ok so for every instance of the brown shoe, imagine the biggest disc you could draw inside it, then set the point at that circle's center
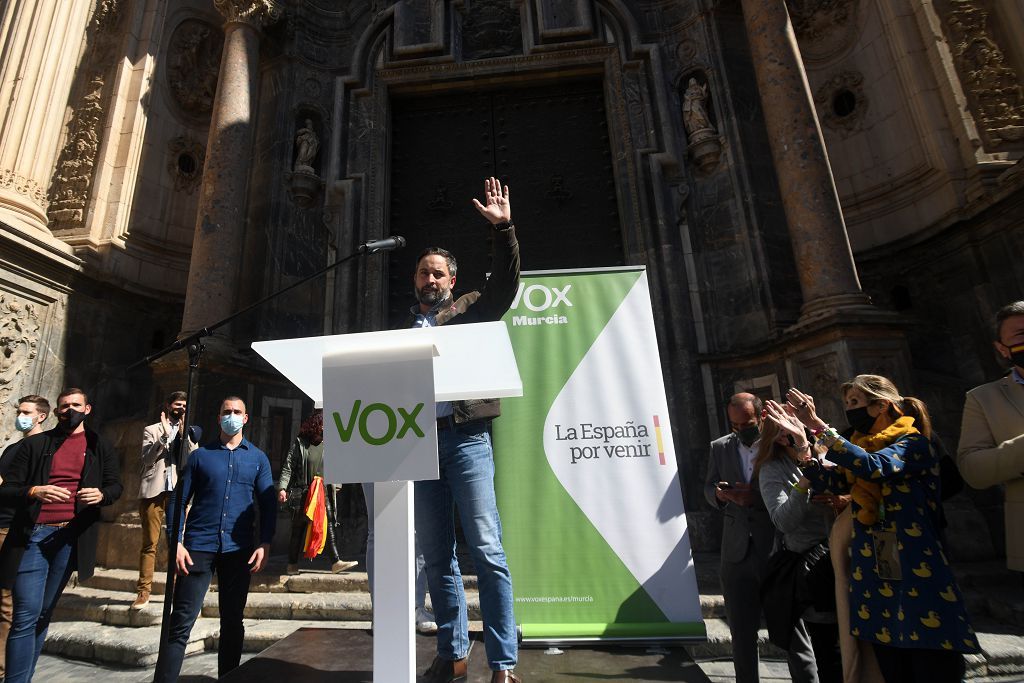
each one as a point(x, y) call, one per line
point(505, 677)
point(141, 601)
point(446, 670)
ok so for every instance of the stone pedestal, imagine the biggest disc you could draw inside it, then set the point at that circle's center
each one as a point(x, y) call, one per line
point(41, 43)
point(828, 276)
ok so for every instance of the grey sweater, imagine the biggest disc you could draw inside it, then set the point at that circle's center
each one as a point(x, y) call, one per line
point(802, 523)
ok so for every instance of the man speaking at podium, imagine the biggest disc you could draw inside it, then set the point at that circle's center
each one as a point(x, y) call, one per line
point(466, 463)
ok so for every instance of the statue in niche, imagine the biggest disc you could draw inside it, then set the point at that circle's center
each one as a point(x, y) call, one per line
point(695, 114)
point(705, 145)
point(307, 143)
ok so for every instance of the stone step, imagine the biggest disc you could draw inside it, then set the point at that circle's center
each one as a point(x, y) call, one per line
point(106, 596)
point(1002, 657)
point(307, 581)
point(111, 608)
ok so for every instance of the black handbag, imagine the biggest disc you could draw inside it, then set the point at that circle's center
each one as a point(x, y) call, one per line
point(793, 582)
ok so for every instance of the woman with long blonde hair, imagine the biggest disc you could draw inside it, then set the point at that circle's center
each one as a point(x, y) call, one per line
point(903, 598)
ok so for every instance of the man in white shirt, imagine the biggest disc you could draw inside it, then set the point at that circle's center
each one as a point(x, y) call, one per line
point(747, 532)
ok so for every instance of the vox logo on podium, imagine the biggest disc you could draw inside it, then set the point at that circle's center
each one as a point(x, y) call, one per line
point(378, 423)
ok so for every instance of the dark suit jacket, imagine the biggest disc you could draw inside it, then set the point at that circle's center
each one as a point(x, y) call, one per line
point(30, 467)
point(741, 525)
point(486, 306)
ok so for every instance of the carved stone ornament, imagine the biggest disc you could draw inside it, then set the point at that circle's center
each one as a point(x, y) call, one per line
point(193, 65)
point(705, 145)
point(186, 157)
point(72, 179)
point(993, 86)
point(824, 28)
point(491, 28)
point(306, 145)
point(256, 13)
point(19, 343)
point(69, 192)
point(842, 103)
point(9, 180)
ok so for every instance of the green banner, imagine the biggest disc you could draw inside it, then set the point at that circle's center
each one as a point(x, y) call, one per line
point(586, 476)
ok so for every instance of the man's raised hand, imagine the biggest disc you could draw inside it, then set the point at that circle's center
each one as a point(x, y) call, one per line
point(496, 207)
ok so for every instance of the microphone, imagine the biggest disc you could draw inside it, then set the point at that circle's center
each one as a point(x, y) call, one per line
point(373, 246)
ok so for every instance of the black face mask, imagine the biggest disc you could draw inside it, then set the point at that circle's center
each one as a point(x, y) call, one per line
point(70, 419)
point(748, 435)
point(859, 419)
point(1016, 354)
point(177, 413)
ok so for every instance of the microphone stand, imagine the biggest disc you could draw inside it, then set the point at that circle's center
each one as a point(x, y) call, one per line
point(193, 344)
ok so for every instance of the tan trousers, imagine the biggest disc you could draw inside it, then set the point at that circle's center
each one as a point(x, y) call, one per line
point(6, 614)
point(151, 515)
point(859, 663)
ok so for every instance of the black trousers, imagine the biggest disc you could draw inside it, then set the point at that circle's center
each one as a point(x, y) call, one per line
point(902, 665)
point(232, 592)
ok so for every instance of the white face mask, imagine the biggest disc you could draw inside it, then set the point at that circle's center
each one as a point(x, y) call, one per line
point(231, 424)
point(24, 422)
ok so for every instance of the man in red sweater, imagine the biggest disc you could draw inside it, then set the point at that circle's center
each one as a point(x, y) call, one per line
point(56, 483)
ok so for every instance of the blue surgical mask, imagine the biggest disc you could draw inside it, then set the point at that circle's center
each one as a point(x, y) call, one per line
point(24, 422)
point(231, 424)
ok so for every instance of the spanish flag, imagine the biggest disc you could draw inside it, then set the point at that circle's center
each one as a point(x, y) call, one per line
point(316, 512)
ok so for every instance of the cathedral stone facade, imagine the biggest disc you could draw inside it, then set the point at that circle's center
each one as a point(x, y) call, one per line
point(816, 187)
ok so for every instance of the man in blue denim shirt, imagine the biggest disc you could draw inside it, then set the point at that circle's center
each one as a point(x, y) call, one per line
point(224, 480)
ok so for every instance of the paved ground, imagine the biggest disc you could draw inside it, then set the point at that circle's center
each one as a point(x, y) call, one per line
point(203, 667)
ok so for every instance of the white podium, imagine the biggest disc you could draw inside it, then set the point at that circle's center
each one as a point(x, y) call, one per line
point(378, 391)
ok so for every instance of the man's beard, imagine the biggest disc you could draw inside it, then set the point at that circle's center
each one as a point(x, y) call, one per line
point(431, 297)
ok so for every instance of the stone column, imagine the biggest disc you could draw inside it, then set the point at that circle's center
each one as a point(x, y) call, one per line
point(40, 44)
point(220, 221)
point(825, 266)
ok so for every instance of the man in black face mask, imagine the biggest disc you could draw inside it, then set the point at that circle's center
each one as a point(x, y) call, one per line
point(991, 448)
point(56, 483)
point(747, 534)
point(159, 476)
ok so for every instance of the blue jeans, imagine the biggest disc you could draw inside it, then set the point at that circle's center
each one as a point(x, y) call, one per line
point(420, 586)
point(233, 577)
point(44, 571)
point(467, 483)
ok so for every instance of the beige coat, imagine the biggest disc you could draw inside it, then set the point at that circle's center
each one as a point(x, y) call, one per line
point(155, 459)
point(991, 452)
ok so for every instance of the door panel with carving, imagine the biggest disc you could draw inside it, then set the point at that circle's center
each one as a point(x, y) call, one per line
point(549, 144)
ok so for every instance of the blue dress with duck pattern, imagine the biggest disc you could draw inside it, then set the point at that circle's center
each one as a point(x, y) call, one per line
point(924, 608)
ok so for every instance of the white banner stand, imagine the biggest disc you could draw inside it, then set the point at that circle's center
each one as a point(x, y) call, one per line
point(379, 426)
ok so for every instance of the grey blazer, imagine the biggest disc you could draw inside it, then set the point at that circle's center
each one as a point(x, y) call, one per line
point(741, 524)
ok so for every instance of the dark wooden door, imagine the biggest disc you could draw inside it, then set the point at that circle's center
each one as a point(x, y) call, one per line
point(548, 144)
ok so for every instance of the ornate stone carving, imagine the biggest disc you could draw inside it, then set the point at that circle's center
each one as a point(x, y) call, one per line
point(306, 145)
point(814, 19)
point(185, 159)
point(23, 186)
point(193, 64)
point(993, 86)
point(69, 190)
point(842, 102)
point(705, 145)
point(491, 28)
point(19, 342)
point(255, 13)
point(824, 27)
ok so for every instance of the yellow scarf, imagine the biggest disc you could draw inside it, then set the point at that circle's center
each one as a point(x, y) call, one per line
point(868, 494)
